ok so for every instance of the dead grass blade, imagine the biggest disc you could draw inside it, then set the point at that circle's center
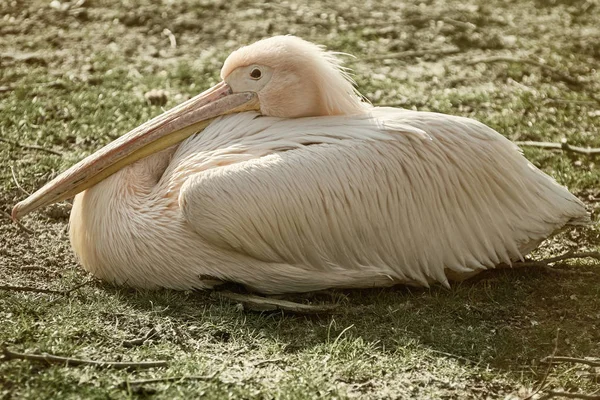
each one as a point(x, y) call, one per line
point(258, 303)
point(71, 362)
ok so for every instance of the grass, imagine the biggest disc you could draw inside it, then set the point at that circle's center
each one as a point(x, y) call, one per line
point(74, 79)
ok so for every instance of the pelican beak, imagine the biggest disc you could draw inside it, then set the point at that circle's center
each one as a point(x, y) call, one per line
point(161, 132)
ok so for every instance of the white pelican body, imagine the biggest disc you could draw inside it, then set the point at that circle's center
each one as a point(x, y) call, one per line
point(356, 196)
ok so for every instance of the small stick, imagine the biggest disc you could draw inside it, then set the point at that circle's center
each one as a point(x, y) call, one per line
point(552, 393)
point(14, 176)
point(558, 359)
point(141, 340)
point(269, 361)
point(19, 224)
point(414, 53)
point(568, 101)
point(35, 58)
point(553, 71)
point(553, 270)
point(563, 145)
point(31, 146)
point(258, 303)
point(67, 361)
point(465, 25)
point(569, 255)
point(28, 289)
point(171, 379)
point(171, 37)
point(74, 288)
point(547, 373)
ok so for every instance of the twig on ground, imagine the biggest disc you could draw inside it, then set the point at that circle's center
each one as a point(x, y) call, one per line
point(563, 145)
point(42, 290)
point(553, 393)
point(569, 255)
point(27, 58)
point(559, 359)
point(31, 147)
point(547, 372)
point(557, 271)
point(269, 361)
point(171, 37)
point(74, 288)
point(6, 89)
point(141, 340)
point(68, 361)
point(170, 379)
point(258, 303)
point(413, 54)
point(568, 101)
point(548, 69)
point(393, 104)
point(28, 289)
point(14, 176)
point(464, 25)
point(19, 224)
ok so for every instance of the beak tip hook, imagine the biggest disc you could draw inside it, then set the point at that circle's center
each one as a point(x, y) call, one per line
point(15, 213)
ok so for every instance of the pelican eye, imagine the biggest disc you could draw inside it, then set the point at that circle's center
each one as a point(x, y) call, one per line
point(256, 74)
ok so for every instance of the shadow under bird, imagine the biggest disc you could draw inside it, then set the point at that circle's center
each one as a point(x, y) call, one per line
point(282, 179)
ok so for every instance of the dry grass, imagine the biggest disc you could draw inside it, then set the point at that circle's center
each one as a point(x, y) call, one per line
point(73, 77)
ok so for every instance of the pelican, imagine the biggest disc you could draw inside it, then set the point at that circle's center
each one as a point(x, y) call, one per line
point(281, 178)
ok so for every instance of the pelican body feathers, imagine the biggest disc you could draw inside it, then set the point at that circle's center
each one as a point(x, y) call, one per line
point(290, 205)
point(283, 179)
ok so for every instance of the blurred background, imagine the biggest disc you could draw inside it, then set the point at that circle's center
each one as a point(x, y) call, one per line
point(76, 74)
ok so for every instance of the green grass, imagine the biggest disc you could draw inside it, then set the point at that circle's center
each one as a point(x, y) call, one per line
point(85, 86)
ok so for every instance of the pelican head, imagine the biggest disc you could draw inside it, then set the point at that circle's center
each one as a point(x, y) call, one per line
point(292, 78)
point(283, 76)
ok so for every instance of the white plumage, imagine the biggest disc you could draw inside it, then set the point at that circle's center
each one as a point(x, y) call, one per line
point(315, 190)
point(284, 205)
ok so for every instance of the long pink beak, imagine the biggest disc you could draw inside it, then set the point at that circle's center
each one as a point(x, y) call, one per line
point(161, 132)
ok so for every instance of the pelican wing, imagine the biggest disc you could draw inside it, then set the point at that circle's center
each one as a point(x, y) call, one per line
point(457, 198)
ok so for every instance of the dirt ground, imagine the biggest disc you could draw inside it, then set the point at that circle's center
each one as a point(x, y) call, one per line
point(73, 76)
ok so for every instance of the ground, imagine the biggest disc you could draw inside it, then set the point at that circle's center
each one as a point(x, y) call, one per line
point(73, 76)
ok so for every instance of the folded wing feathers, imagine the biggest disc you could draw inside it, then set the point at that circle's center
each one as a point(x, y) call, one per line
point(399, 193)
